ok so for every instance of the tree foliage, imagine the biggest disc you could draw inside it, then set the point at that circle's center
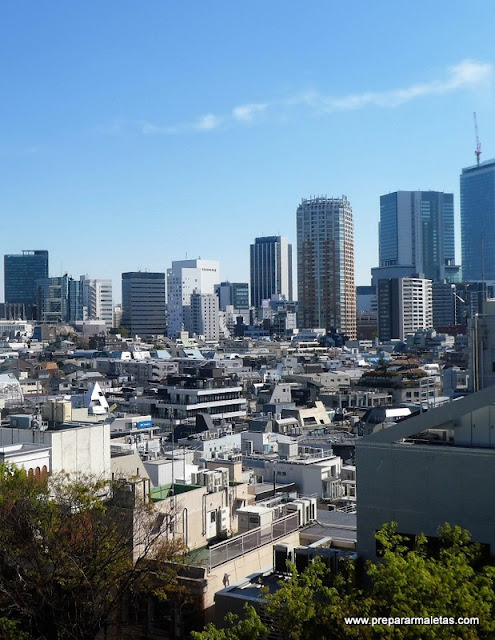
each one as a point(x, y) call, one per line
point(70, 554)
point(452, 581)
point(249, 627)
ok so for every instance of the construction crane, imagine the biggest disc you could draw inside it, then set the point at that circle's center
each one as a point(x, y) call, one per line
point(477, 153)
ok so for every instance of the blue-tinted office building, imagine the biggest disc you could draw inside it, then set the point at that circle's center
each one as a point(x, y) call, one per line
point(233, 293)
point(417, 234)
point(478, 222)
point(21, 271)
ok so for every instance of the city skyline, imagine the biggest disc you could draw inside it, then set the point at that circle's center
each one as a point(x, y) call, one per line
point(212, 121)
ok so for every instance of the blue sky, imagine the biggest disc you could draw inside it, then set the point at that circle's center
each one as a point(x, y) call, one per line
point(134, 134)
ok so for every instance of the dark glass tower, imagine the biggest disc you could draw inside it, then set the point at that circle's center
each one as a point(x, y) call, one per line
point(417, 233)
point(143, 303)
point(21, 272)
point(478, 222)
point(271, 269)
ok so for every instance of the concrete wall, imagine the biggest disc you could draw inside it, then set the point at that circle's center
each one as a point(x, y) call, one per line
point(421, 487)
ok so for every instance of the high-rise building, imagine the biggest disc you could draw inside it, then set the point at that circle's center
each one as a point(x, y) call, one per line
point(478, 222)
point(97, 300)
point(235, 294)
point(444, 304)
point(271, 269)
point(185, 277)
point(204, 315)
point(404, 306)
point(53, 299)
point(417, 236)
point(21, 272)
point(325, 265)
point(143, 303)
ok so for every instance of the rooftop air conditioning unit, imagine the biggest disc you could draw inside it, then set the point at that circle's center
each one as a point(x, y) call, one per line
point(296, 507)
point(223, 521)
point(282, 553)
point(304, 556)
point(304, 511)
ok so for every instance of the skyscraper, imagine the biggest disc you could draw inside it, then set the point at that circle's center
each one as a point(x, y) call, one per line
point(143, 303)
point(21, 273)
point(271, 269)
point(184, 278)
point(325, 265)
point(417, 235)
point(478, 222)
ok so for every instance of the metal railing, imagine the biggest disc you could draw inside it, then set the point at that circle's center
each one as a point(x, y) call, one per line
point(246, 542)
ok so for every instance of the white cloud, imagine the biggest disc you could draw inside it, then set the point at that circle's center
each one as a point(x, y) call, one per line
point(469, 72)
point(150, 129)
point(246, 112)
point(208, 122)
point(465, 75)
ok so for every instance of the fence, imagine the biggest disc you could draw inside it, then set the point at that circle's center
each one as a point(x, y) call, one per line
point(246, 542)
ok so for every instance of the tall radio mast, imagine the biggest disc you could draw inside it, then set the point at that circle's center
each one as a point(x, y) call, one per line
point(477, 153)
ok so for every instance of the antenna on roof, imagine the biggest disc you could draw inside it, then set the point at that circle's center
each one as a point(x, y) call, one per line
point(477, 153)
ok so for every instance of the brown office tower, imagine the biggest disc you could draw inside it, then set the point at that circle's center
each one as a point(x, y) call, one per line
point(325, 265)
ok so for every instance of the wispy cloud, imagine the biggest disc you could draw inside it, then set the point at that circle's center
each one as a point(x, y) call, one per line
point(208, 122)
point(247, 112)
point(465, 75)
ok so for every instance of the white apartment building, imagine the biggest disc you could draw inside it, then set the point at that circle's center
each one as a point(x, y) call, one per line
point(416, 303)
point(404, 306)
point(205, 315)
point(183, 279)
point(97, 300)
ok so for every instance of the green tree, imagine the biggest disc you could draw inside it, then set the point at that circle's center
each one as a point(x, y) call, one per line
point(10, 630)
point(453, 582)
point(71, 553)
point(249, 627)
point(123, 331)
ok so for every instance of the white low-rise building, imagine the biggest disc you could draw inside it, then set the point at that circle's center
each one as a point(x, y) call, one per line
point(77, 449)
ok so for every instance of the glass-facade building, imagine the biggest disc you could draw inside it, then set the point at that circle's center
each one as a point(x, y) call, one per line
point(478, 222)
point(143, 303)
point(270, 268)
point(21, 271)
point(53, 299)
point(417, 231)
point(233, 293)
